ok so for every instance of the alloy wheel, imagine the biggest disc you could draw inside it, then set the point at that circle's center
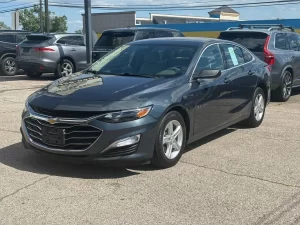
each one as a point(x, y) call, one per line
point(66, 69)
point(172, 139)
point(287, 85)
point(10, 67)
point(259, 107)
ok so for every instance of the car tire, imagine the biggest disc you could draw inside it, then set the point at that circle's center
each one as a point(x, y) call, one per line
point(9, 66)
point(33, 74)
point(283, 93)
point(258, 108)
point(165, 154)
point(64, 68)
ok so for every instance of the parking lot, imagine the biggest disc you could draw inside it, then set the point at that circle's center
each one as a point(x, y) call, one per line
point(237, 176)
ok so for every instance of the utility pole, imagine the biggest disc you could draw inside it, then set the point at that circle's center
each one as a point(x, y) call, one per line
point(88, 30)
point(41, 17)
point(47, 16)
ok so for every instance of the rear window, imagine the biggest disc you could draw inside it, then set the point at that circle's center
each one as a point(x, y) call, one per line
point(254, 41)
point(35, 39)
point(114, 39)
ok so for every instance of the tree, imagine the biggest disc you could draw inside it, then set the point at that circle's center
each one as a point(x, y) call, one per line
point(29, 19)
point(3, 26)
point(78, 31)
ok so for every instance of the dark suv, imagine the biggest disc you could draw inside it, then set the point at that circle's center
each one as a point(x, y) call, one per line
point(111, 39)
point(8, 41)
point(278, 46)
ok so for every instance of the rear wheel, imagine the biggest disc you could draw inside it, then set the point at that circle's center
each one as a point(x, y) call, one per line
point(170, 141)
point(64, 68)
point(33, 74)
point(257, 109)
point(283, 93)
point(9, 66)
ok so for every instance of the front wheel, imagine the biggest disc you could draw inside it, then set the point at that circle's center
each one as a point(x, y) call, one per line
point(9, 66)
point(257, 109)
point(170, 141)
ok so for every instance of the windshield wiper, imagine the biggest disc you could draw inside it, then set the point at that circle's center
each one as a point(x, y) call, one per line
point(138, 75)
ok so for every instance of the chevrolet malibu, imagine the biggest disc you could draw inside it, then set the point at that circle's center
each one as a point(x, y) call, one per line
point(145, 101)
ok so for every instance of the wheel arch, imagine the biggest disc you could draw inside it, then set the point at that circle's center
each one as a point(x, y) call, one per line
point(9, 54)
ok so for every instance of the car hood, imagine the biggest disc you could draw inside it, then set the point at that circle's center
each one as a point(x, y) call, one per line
point(89, 92)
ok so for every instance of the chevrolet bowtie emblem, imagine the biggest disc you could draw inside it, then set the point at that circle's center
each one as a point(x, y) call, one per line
point(52, 120)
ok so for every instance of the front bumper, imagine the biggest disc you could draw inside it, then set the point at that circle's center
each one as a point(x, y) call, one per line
point(143, 151)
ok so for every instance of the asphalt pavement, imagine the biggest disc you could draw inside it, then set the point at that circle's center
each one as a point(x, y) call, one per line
point(237, 176)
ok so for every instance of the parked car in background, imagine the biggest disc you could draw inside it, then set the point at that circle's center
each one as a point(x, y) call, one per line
point(61, 54)
point(8, 41)
point(111, 39)
point(123, 110)
point(278, 46)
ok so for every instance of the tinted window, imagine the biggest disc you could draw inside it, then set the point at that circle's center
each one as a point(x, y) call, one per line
point(114, 39)
point(233, 55)
point(77, 40)
point(254, 41)
point(141, 35)
point(293, 42)
point(20, 38)
point(281, 42)
point(146, 60)
point(10, 38)
point(161, 34)
point(35, 39)
point(210, 59)
point(247, 56)
point(177, 34)
point(65, 40)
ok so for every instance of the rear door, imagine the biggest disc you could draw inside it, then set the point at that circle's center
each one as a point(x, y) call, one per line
point(252, 40)
point(73, 46)
point(295, 54)
point(241, 78)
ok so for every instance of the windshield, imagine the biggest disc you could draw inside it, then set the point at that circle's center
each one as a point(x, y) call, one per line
point(151, 60)
point(254, 41)
point(114, 39)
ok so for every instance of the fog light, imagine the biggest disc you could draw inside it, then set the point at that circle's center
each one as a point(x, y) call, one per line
point(126, 142)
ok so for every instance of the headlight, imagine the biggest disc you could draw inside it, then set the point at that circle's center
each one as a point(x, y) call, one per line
point(25, 110)
point(126, 115)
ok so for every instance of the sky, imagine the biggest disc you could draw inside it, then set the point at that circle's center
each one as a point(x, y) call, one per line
point(287, 11)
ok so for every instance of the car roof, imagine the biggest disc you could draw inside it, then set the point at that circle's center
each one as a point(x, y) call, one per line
point(180, 40)
point(14, 31)
point(55, 34)
point(139, 28)
point(266, 31)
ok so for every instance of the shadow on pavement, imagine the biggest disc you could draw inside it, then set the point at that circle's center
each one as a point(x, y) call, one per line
point(44, 77)
point(296, 91)
point(16, 156)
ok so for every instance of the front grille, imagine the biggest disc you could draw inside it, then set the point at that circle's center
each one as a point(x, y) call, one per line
point(64, 113)
point(123, 151)
point(61, 136)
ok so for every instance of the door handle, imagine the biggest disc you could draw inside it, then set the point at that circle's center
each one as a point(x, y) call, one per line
point(73, 50)
point(227, 80)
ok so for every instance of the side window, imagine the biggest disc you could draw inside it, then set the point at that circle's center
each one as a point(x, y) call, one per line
point(293, 43)
point(161, 34)
point(78, 40)
point(247, 55)
point(177, 34)
point(233, 55)
point(9, 38)
point(281, 42)
point(145, 35)
point(210, 59)
point(20, 38)
point(65, 40)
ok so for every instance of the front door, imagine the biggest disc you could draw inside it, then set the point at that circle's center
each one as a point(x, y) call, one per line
point(211, 97)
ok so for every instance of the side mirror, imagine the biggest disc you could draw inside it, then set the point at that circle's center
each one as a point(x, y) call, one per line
point(207, 74)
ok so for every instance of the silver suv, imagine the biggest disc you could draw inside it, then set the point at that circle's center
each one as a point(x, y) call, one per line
point(61, 54)
point(278, 46)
